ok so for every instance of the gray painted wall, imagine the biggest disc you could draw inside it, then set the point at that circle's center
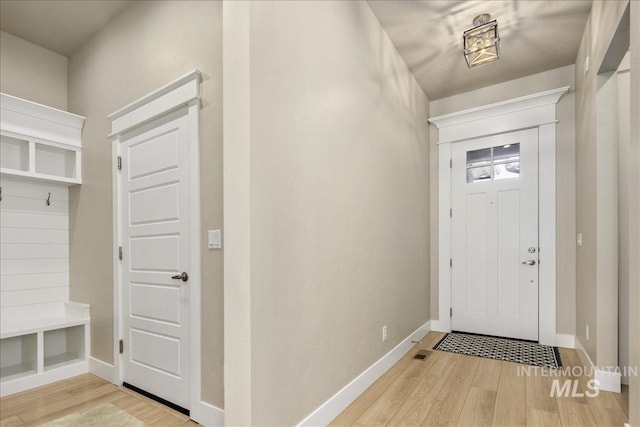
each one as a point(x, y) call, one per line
point(601, 317)
point(337, 203)
point(145, 47)
point(634, 215)
point(32, 72)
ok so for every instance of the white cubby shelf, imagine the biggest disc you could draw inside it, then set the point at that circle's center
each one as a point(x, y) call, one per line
point(44, 337)
point(41, 344)
point(39, 143)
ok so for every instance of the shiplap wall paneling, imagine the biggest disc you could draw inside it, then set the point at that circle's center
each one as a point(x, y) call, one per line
point(34, 243)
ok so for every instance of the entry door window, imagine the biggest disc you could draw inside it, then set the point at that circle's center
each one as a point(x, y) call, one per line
point(493, 163)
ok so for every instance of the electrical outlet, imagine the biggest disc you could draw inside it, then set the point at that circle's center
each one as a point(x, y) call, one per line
point(586, 331)
point(384, 333)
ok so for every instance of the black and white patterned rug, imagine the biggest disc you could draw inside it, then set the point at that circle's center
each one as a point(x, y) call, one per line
point(525, 352)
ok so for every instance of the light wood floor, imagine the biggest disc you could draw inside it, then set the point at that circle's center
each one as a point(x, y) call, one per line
point(56, 400)
point(453, 389)
point(443, 389)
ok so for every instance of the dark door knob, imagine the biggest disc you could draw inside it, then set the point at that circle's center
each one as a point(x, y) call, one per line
point(184, 276)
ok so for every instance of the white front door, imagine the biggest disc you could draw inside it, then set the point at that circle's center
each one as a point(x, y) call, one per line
point(154, 200)
point(494, 262)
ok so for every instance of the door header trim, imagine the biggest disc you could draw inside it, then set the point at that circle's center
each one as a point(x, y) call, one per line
point(510, 105)
point(175, 94)
point(519, 113)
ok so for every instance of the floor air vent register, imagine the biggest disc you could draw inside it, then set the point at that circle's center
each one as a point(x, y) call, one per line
point(422, 354)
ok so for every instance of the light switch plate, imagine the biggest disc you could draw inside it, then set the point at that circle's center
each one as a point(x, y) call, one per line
point(214, 239)
point(586, 65)
point(579, 239)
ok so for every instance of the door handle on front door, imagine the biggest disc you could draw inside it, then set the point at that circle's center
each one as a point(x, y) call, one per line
point(529, 262)
point(184, 277)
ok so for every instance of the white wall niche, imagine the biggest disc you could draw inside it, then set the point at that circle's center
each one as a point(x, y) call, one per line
point(14, 153)
point(63, 347)
point(18, 357)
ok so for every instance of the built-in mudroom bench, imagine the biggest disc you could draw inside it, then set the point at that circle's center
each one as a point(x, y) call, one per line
point(44, 337)
point(43, 343)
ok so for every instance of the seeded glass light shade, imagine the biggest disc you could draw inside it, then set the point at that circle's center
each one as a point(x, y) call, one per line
point(481, 43)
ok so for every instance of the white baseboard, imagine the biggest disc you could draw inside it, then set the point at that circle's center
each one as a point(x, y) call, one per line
point(606, 380)
point(582, 354)
point(205, 414)
point(339, 401)
point(435, 326)
point(208, 415)
point(565, 340)
point(102, 369)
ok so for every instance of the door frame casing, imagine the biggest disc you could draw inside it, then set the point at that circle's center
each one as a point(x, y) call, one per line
point(180, 93)
point(532, 111)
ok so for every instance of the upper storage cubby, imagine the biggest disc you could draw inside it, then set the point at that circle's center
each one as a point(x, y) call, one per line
point(39, 142)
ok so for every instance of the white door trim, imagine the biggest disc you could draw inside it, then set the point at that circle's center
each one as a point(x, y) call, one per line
point(184, 91)
point(532, 111)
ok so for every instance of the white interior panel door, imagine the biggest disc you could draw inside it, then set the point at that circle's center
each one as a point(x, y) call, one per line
point(495, 235)
point(154, 196)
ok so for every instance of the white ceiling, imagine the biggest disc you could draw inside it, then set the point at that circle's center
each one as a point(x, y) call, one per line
point(58, 25)
point(536, 36)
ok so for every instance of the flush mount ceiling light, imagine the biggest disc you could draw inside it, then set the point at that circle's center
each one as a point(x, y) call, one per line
point(481, 43)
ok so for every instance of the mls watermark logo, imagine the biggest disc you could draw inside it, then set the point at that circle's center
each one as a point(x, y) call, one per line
point(571, 388)
point(565, 382)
